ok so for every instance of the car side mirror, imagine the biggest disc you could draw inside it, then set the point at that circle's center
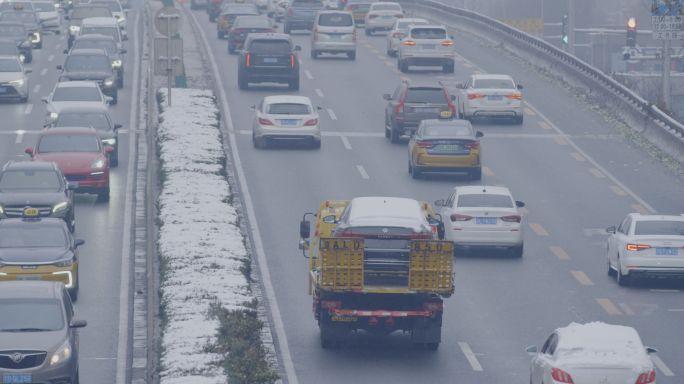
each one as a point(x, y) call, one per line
point(29, 151)
point(123, 51)
point(78, 324)
point(387, 96)
point(117, 126)
point(319, 108)
point(304, 229)
point(28, 70)
point(66, 51)
point(298, 48)
point(59, 67)
point(108, 149)
point(330, 219)
point(519, 86)
point(124, 36)
point(519, 204)
point(651, 350)
point(479, 134)
point(440, 203)
point(79, 242)
point(72, 185)
point(108, 99)
point(44, 99)
point(532, 350)
point(611, 229)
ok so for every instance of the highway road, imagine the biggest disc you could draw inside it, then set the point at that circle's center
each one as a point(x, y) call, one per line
point(576, 172)
point(101, 225)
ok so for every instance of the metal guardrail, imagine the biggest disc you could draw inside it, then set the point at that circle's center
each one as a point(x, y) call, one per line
point(625, 94)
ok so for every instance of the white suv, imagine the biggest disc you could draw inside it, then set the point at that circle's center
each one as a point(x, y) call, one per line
point(426, 45)
point(381, 16)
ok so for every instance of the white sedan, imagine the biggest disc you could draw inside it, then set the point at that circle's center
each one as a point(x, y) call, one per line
point(483, 216)
point(286, 118)
point(592, 353)
point(495, 96)
point(646, 245)
point(381, 16)
point(398, 32)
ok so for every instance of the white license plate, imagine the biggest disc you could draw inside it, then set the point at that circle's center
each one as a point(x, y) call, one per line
point(428, 46)
point(386, 17)
point(288, 122)
point(270, 60)
point(28, 278)
point(495, 98)
point(667, 251)
point(485, 220)
point(426, 110)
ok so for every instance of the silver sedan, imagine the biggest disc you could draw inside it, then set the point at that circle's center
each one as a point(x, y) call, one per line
point(286, 118)
point(13, 79)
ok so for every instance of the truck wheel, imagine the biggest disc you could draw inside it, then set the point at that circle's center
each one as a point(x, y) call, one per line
point(351, 55)
point(475, 174)
point(432, 346)
point(329, 335)
point(103, 195)
point(314, 54)
point(415, 173)
point(293, 85)
point(403, 66)
point(518, 120)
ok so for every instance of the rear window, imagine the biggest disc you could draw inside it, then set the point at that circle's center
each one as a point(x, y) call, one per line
point(493, 84)
point(82, 13)
point(428, 33)
point(336, 20)
point(426, 95)
point(289, 109)
point(484, 200)
point(107, 31)
point(272, 47)
point(252, 22)
point(659, 228)
point(359, 7)
point(446, 130)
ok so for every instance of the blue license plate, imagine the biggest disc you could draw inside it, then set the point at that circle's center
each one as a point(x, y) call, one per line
point(16, 378)
point(495, 98)
point(451, 149)
point(270, 60)
point(667, 251)
point(485, 220)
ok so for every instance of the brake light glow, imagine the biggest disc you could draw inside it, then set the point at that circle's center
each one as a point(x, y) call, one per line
point(311, 122)
point(472, 145)
point(514, 96)
point(637, 247)
point(561, 376)
point(290, 12)
point(263, 121)
point(434, 306)
point(447, 43)
point(248, 60)
point(400, 106)
point(330, 304)
point(425, 144)
point(511, 218)
point(459, 217)
point(473, 96)
point(646, 377)
point(292, 60)
point(408, 42)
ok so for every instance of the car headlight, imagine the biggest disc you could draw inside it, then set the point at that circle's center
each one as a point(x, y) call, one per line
point(60, 207)
point(2, 210)
point(54, 115)
point(74, 28)
point(111, 141)
point(98, 164)
point(17, 83)
point(22, 57)
point(35, 37)
point(108, 82)
point(62, 355)
point(65, 263)
point(116, 63)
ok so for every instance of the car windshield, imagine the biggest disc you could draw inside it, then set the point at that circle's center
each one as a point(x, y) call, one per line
point(107, 31)
point(272, 47)
point(484, 200)
point(87, 63)
point(425, 96)
point(12, 30)
point(97, 120)
point(76, 94)
point(386, 7)
point(335, 20)
point(446, 131)
point(659, 228)
point(22, 17)
point(10, 65)
point(108, 45)
point(31, 315)
point(44, 7)
point(68, 143)
point(33, 236)
point(360, 7)
point(43, 180)
point(428, 33)
point(82, 13)
point(289, 109)
point(493, 84)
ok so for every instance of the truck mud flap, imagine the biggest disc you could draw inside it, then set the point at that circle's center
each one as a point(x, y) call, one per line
point(426, 332)
point(332, 334)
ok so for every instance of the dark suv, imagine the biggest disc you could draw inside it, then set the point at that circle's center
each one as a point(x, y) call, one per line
point(36, 189)
point(269, 58)
point(91, 64)
point(410, 104)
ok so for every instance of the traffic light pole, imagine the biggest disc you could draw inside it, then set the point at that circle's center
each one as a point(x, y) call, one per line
point(667, 59)
point(571, 26)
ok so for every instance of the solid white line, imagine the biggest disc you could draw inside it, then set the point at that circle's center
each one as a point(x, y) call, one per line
point(676, 310)
point(332, 114)
point(278, 324)
point(661, 365)
point(51, 57)
point(28, 109)
point(346, 142)
point(319, 92)
point(122, 337)
point(308, 74)
point(20, 137)
point(362, 171)
point(470, 356)
point(665, 290)
point(43, 72)
point(36, 88)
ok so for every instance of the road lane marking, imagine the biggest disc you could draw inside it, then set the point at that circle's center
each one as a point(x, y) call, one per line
point(529, 112)
point(609, 307)
point(51, 57)
point(389, 64)
point(28, 109)
point(664, 290)
point(319, 92)
point(626, 309)
point(617, 190)
point(523, 210)
point(308, 74)
point(20, 136)
point(43, 72)
point(559, 252)
point(560, 141)
point(582, 278)
point(345, 142)
point(640, 209)
point(36, 88)
point(597, 173)
point(470, 356)
point(487, 171)
point(539, 229)
point(661, 366)
point(332, 114)
point(577, 156)
point(676, 310)
point(544, 125)
point(362, 171)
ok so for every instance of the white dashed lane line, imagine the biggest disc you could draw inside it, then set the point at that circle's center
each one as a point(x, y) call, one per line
point(332, 114)
point(472, 359)
point(20, 137)
point(319, 92)
point(308, 74)
point(346, 143)
point(661, 366)
point(51, 57)
point(36, 88)
point(43, 72)
point(28, 109)
point(362, 171)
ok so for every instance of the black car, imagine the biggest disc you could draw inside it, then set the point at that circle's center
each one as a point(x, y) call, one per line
point(80, 12)
point(38, 187)
point(412, 103)
point(17, 33)
point(91, 64)
point(9, 48)
point(31, 23)
point(269, 58)
point(94, 117)
point(111, 49)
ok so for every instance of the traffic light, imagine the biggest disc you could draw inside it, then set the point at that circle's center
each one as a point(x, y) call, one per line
point(565, 38)
point(631, 32)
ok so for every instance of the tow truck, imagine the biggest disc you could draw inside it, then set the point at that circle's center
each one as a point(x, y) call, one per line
point(380, 265)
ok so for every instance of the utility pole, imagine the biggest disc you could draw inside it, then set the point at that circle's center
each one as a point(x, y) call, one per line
point(667, 60)
point(571, 26)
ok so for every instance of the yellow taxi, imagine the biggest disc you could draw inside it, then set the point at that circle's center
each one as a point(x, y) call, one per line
point(445, 146)
point(34, 248)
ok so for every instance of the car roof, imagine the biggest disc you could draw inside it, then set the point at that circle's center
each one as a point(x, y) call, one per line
point(97, 21)
point(491, 76)
point(479, 189)
point(29, 165)
point(77, 84)
point(643, 217)
point(87, 51)
point(31, 290)
point(69, 131)
point(386, 211)
point(287, 99)
point(84, 109)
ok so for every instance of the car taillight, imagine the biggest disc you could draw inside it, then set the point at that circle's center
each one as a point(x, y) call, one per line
point(408, 42)
point(434, 306)
point(472, 145)
point(425, 144)
point(511, 218)
point(263, 121)
point(459, 217)
point(450, 104)
point(237, 30)
point(248, 60)
point(637, 247)
point(330, 304)
point(292, 60)
point(473, 96)
point(561, 376)
point(447, 43)
point(290, 12)
point(311, 122)
point(646, 377)
point(514, 96)
point(399, 108)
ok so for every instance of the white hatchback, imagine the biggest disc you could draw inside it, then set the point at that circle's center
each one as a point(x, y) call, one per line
point(381, 16)
point(286, 118)
point(646, 245)
point(483, 216)
point(592, 353)
point(496, 96)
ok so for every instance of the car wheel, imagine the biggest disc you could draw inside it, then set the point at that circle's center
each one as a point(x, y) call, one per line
point(516, 252)
point(610, 270)
point(314, 54)
point(394, 134)
point(518, 120)
point(73, 293)
point(114, 159)
point(351, 55)
point(415, 173)
point(316, 144)
point(231, 48)
point(24, 99)
point(76, 378)
point(219, 34)
point(103, 195)
point(286, 28)
point(115, 98)
point(293, 85)
point(403, 67)
point(28, 59)
point(622, 279)
point(243, 83)
point(120, 81)
point(475, 174)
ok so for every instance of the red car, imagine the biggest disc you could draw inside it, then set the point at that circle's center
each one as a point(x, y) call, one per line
point(80, 155)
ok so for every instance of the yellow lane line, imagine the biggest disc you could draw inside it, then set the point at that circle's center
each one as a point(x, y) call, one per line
point(560, 140)
point(597, 173)
point(640, 209)
point(559, 252)
point(609, 307)
point(577, 156)
point(582, 277)
point(538, 229)
point(523, 211)
point(544, 125)
point(626, 309)
point(487, 171)
point(617, 190)
point(530, 112)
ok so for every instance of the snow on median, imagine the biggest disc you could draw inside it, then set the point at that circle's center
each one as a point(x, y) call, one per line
point(200, 243)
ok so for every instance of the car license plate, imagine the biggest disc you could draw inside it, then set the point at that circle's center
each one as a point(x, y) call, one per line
point(288, 122)
point(345, 319)
point(28, 278)
point(31, 212)
point(388, 17)
point(452, 149)
point(495, 98)
point(429, 46)
point(16, 378)
point(667, 251)
point(270, 60)
point(485, 220)
point(445, 114)
point(426, 110)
